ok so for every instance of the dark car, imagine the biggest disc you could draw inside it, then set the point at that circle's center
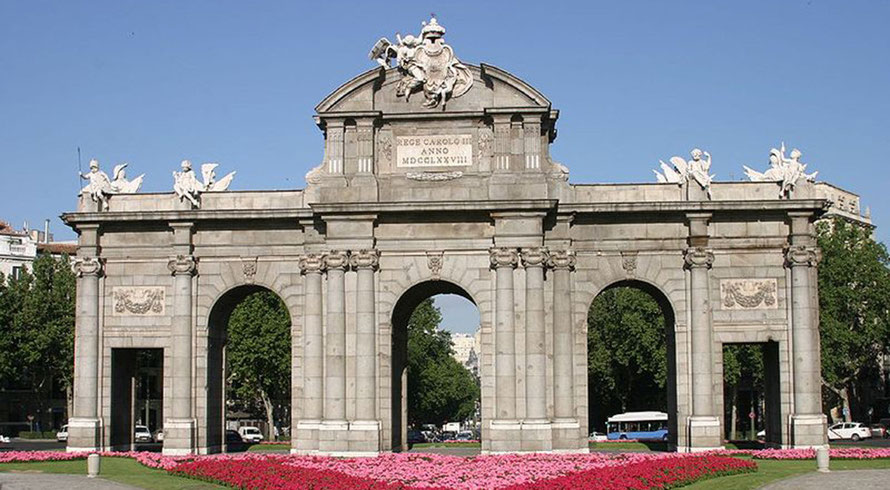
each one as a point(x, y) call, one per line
point(234, 443)
point(415, 437)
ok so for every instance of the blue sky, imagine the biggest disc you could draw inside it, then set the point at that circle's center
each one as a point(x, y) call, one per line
point(152, 83)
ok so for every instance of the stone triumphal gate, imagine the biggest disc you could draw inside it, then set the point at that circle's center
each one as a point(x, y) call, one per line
point(437, 178)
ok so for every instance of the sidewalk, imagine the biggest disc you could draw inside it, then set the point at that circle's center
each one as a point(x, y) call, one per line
point(46, 481)
point(858, 479)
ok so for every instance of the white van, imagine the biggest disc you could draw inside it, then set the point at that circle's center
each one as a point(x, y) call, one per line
point(250, 434)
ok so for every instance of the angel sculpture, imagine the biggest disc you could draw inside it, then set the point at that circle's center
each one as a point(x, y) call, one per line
point(783, 170)
point(99, 189)
point(187, 186)
point(682, 171)
point(120, 184)
point(426, 63)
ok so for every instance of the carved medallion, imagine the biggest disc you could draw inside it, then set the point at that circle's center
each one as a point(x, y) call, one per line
point(138, 301)
point(434, 262)
point(629, 262)
point(248, 267)
point(749, 294)
point(384, 146)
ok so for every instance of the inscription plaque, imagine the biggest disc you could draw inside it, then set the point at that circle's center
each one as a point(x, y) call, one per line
point(443, 150)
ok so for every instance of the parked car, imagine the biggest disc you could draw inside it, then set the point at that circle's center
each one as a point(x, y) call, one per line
point(142, 434)
point(878, 430)
point(250, 434)
point(465, 435)
point(415, 437)
point(4, 439)
point(62, 435)
point(159, 435)
point(234, 443)
point(848, 430)
point(597, 437)
point(761, 435)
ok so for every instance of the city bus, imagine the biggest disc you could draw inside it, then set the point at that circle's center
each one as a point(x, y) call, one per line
point(643, 426)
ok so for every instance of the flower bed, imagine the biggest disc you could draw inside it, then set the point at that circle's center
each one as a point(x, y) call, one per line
point(834, 453)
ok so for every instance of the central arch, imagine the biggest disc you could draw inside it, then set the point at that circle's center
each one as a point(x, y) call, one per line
point(401, 314)
point(668, 314)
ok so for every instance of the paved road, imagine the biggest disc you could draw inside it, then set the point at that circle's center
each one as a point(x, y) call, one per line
point(44, 481)
point(858, 479)
point(864, 442)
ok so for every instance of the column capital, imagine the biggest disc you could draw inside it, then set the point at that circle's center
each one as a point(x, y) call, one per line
point(535, 257)
point(364, 259)
point(504, 257)
point(183, 264)
point(89, 266)
point(698, 257)
point(802, 255)
point(561, 259)
point(312, 263)
point(336, 259)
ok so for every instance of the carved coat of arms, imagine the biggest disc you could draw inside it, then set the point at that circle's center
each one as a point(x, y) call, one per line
point(426, 64)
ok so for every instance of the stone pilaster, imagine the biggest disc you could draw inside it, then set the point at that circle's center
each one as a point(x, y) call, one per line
point(179, 428)
point(808, 423)
point(83, 426)
point(365, 264)
point(505, 426)
point(502, 142)
point(334, 147)
point(336, 263)
point(703, 425)
point(312, 267)
point(535, 352)
point(532, 133)
point(566, 427)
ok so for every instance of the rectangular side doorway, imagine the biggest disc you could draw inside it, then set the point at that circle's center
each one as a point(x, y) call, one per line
point(136, 399)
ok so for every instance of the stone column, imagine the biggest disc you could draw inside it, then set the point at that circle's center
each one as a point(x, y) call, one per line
point(312, 267)
point(808, 422)
point(504, 260)
point(704, 426)
point(179, 429)
point(365, 263)
point(336, 263)
point(562, 262)
point(83, 426)
point(535, 349)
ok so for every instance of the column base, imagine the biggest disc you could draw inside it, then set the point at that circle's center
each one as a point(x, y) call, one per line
point(703, 434)
point(537, 436)
point(359, 438)
point(84, 434)
point(809, 431)
point(179, 437)
point(567, 436)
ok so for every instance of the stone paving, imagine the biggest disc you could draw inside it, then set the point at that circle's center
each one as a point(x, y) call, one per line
point(45, 481)
point(858, 479)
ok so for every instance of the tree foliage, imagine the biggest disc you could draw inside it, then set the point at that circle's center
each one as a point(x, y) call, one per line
point(440, 389)
point(258, 356)
point(37, 327)
point(854, 300)
point(626, 354)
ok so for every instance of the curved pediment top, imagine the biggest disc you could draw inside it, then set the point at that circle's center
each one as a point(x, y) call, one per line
point(375, 91)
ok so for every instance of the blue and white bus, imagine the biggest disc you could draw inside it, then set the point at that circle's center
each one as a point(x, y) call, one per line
point(642, 426)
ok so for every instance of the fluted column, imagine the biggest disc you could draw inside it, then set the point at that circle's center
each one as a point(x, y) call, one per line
point(312, 267)
point(84, 423)
point(534, 260)
point(179, 427)
point(365, 263)
point(698, 261)
point(504, 260)
point(562, 262)
point(336, 263)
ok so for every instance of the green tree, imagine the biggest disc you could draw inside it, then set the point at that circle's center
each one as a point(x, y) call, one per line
point(854, 300)
point(741, 363)
point(258, 355)
point(37, 327)
point(626, 354)
point(440, 389)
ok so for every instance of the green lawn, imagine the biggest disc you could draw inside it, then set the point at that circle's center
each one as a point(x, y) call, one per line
point(771, 470)
point(269, 448)
point(121, 470)
point(442, 444)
